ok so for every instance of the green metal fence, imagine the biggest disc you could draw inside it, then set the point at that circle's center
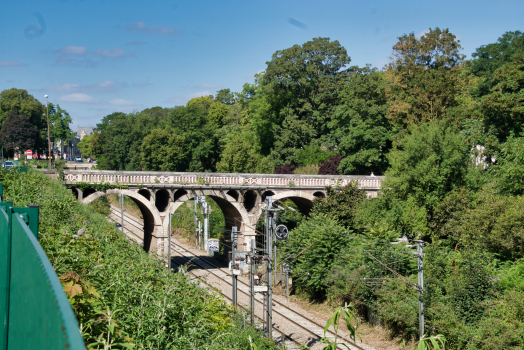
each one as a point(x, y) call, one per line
point(34, 308)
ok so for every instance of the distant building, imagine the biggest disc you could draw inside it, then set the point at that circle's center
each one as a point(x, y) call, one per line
point(84, 131)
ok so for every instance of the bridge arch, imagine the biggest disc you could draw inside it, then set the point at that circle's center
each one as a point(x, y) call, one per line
point(303, 200)
point(234, 212)
point(153, 226)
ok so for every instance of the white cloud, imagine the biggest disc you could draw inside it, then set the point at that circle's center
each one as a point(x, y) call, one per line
point(88, 99)
point(380, 63)
point(422, 33)
point(207, 86)
point(121, 102)
point(73, 50)
point(111, 53)
point(78, 98)
point(105, 86)
point(12, 64)
point(182, 99)
point(153, 30)
point(67, 56)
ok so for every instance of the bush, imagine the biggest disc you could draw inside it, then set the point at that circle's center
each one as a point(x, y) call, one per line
point(341, 203)
point(284, 169)
point(308, 170)
point(315, 244)
point(330, 167)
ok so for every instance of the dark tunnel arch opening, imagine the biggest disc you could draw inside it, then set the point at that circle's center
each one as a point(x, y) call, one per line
point(145, 193)
point(319, 194)
point(87, 192)
point(250, 200)
point(233, 194)
point(267, 194)
point(161, 200)
point(178, 194)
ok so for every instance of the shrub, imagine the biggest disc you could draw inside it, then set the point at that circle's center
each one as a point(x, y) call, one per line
point(308, 169)
point(315, 244)
point(330, 167)
point(284, 169)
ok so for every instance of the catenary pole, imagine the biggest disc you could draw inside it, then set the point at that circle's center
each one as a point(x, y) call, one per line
point(421, 288)
point(122, 210)
point(206, 224)
point(269, 239)
point(251, 282)
point(169, 243)
point(233, 264)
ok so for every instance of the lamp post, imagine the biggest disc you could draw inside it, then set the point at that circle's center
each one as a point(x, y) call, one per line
point(48, 138)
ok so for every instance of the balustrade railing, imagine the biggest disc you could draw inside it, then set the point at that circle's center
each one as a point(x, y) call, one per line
point(219, 179)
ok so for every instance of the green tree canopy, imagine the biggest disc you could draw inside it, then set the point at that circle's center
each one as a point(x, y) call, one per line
point(427, 163)
point(360, 126)
point(419, 72)
point(302, 85)
point(18, 133)
point(164, 150)
point(239, 156)
point(22, 103)
point(503, 107)
point(489, 58)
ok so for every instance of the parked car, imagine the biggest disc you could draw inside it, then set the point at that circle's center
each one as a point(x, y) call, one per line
point(79, 159)
point(8, 164)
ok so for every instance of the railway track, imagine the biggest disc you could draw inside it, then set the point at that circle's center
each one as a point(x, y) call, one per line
point(312, 328)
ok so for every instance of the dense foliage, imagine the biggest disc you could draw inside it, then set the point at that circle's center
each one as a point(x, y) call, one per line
point(122, 296)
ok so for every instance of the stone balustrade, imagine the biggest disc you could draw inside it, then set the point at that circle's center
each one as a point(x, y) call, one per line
point(178, 179)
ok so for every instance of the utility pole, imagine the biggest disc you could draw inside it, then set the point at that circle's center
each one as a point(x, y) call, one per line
point(169, 243)
point(122, 210)
point(251, 282)
point(420, 288)
point(269, 265)
point(206, 210)
point(234, 262)
point(48, 138)
point(196, 219)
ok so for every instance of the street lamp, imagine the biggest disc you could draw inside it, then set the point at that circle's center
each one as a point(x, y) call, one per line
point(48, 138)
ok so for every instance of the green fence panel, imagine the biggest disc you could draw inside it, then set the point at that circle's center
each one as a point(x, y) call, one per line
point(5, 259)
point(40, 316)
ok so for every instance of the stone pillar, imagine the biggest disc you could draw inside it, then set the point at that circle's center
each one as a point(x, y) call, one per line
point(80, 194)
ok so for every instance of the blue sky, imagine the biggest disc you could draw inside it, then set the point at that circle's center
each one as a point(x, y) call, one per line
point(95, 57)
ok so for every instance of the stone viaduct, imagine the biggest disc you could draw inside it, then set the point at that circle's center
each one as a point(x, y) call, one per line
point(239, 196)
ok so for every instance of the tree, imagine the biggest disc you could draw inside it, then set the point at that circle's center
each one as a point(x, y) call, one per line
point(426, 164)
point(509, 170)
point(421, 77)
point(225, 96)
point(18, 133)
point(86, 145)
point(22, 103)
point(239, 156)
point(314, 246)
point(200, 135)
point(164, 150)
point(218, 113)
point(341, 203)
point(489, 58)
point(503, 107)
point(361, 128)
point(59, 121)
point(302, 85)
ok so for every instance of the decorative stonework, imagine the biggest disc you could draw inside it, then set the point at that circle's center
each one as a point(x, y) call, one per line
point(179, 180)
